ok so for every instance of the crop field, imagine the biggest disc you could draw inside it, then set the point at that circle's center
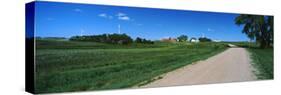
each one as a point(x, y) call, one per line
point(80, 66)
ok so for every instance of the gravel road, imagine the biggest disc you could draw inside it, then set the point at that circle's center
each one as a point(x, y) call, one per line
point(232, 65)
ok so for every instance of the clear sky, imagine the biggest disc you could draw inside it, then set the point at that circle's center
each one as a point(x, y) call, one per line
point(69, 19)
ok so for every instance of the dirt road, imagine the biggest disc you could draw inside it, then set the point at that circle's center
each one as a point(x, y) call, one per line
point(232, 65)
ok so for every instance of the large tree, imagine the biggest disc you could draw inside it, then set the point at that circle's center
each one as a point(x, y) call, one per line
point(257, 27)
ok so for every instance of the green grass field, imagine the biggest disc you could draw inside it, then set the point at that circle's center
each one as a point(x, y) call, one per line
point(79, 66)
point(263, 62)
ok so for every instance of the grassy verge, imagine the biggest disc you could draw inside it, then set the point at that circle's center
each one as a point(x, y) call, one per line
point(77, 68)
point(263, 62)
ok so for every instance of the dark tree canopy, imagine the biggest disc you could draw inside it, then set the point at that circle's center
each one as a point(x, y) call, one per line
point(257, 27)
point(138, 40)
point(144, 41)
point(182, 38)
point(105, 38)
point(204, 39)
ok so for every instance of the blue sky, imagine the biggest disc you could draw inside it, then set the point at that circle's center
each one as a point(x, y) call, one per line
point(69, 19)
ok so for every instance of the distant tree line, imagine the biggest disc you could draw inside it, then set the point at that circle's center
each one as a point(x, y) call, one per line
point(111, 38)
point(144, 41)
point(125, 39)
point(105, 38)
point(184, 38)
point(204, 39)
